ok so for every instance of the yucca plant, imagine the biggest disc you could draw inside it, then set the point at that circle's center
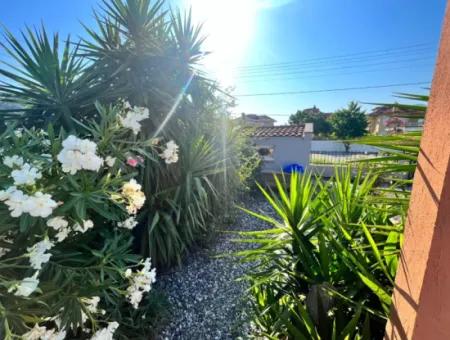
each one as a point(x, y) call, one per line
point(325, 269)
point(47, 83)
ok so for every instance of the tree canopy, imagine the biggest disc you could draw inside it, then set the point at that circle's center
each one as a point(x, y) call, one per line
point(349, 122)
point(321, 124)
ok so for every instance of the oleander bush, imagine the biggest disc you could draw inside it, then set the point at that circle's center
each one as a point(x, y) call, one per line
point(116, 150)
point(326, 267)
point(68, 208)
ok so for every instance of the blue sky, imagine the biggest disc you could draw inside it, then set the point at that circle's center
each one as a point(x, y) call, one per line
point(383, 41)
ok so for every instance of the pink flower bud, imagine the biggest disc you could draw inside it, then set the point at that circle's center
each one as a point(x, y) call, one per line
point(132, 162)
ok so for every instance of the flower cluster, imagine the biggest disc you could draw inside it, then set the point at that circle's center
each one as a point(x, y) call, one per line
point(37, 205)
point(133, 194)
point(133, 117)
point(85, 226)
point(141, 282)
point(42, 333)
point(38, 255)
point(27, 286)
point(12, 161)
point(110, 161)
point(106, 333)
point(78, 154)
point(61, 225)
point(129, 223)
point(26, 175)
point(170, 153)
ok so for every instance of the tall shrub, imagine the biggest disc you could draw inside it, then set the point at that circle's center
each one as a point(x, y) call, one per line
point(145, 55)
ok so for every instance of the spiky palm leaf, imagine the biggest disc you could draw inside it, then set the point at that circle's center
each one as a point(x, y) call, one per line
point(46, 84)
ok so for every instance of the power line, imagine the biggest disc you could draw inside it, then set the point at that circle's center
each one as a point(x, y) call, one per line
point(339, 61)
point(331, 90)
point(342, 67)
point(338, 56)
point(328, 74)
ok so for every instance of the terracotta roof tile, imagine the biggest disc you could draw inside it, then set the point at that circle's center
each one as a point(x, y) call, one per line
point(278, 131)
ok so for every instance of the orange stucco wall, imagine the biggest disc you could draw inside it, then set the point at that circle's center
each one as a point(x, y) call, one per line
point(421, 308)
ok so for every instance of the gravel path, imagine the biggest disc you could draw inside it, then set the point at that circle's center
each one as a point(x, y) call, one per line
point(206, 300)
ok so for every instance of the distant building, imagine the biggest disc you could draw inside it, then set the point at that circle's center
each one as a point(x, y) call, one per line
point(385, 120)
point(282, 146)
point(255, 120)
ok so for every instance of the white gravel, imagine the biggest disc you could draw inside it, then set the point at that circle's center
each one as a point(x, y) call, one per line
point(206, 300)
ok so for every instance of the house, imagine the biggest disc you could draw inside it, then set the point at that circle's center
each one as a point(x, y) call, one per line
point(283, 146)
point(384, 120)
point(255, 120)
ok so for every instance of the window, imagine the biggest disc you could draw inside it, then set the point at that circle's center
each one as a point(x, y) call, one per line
point(266, 152)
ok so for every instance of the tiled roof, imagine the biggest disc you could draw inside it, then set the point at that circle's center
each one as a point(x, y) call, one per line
point(255, 116)
point(390, 111)
point(278, 131)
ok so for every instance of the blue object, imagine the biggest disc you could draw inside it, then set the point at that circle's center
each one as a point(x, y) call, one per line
point(290, 168)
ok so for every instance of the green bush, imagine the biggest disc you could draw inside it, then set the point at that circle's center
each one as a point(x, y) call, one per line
point(147, 56)
point(326, 268)
point(131, 97)
point(68, 207)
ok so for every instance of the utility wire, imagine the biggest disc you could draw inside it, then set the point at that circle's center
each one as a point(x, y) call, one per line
point(339, 61)
point(337, 56)
point(331, 90)
point(342, 67)
point(328, 74)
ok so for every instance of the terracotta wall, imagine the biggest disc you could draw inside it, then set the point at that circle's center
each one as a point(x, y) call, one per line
point(421, 308)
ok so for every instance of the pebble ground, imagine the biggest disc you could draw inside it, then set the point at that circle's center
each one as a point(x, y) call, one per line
point(207, 301)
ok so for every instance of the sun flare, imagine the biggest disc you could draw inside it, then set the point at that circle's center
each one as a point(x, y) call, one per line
point(229, 26)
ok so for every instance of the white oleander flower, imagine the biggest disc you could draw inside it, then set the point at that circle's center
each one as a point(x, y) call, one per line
point(62, 234)
point(57, 223)
point(129, 223)
point(26, 175)
point(136, 198)
point(36, 333)
point(78, 154)
point(40, 205)
point(61, 225)
point(170, 153)
point(396, 220)
point(37, 253)
point(134, 296)
point(106, 333)
point(141, 282)
point(18, 132)
point(87, 224)
point(28, 285)
point(5, 194)
point(110, 161)
point(92, 304)
point(12, 161)
point(53, 334)
point(133, 118)
point(16, 201)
